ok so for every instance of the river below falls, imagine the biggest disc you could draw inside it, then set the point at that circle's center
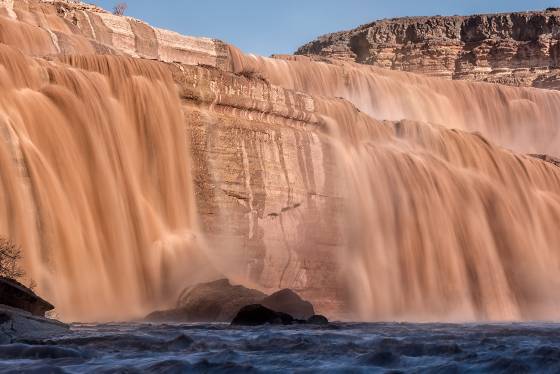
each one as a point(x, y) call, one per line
point(340, 347)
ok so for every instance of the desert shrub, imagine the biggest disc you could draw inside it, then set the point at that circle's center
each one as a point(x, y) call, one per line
point(10, 259)
point(119, 9)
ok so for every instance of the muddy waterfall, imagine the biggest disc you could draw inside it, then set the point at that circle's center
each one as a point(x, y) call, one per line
point(135, 161)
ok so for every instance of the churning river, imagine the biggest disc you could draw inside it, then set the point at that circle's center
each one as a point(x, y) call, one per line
point(339, 347)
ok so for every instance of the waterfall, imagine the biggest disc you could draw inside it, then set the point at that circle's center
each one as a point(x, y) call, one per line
point(444, 221)
point(445, 214)
point(96, 184)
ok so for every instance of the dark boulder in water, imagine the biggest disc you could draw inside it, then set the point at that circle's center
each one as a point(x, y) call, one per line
point(257, 314)
point(217, 301)
point(289, 302)
point(16, 295)
point(220, 301)
point(317, 319)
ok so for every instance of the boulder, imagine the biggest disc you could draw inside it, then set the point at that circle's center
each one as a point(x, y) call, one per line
point(17, 325)
point(289, 302)
point(257, 314)
point(317, 319)
point(16, 295)
point(217, 301)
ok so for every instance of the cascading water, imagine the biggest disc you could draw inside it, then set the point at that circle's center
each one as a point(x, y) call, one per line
point(96, 182)
point(443, 225)
point(523, 119)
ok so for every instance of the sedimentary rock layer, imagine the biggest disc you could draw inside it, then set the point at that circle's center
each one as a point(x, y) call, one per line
point(519, 49)
point(63, 27)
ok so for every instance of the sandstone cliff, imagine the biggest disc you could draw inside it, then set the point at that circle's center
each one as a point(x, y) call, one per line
point(519, 49)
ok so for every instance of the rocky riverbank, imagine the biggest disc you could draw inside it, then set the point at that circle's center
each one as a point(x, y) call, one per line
point(22, 314)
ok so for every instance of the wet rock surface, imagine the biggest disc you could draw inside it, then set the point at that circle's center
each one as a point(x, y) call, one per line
point(289, 302)
point(256, 314)
point(317, 320)
point(220, 301)
point(18, 325)
point(217, 301)
point(519, 49)
point(16, 295)
point(22, 314)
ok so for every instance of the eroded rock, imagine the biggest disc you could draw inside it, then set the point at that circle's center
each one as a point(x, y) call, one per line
point(289, 302)
point(257, 314)
point(217, 301)
point(519, 49)
point(317, 319)
point(220, 301)
point(17, 325)
point(16, 295)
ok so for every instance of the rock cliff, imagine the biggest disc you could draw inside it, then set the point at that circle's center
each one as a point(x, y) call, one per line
point(519, 49)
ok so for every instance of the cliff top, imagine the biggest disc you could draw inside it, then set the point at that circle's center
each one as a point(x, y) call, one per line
point(526, 25)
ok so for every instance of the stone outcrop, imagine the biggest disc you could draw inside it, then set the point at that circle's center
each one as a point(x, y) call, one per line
point(220, 301)
point(16, 295)
point(19, 325)
point(262, 163)
point(22, 314)
point(65, 27)
point(255, 315)
point(289, 302)
point(217, 301)
point(258, 314)
point(519, 49)
point(317, 319)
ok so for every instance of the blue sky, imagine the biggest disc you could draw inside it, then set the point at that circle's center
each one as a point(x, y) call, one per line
point(280, 26)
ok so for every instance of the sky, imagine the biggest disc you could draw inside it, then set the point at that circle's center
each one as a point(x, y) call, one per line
point(265, 27)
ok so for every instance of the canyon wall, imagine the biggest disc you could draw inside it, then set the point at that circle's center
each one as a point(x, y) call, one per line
point(375, 194)
point(519, 49)
point(262, 170)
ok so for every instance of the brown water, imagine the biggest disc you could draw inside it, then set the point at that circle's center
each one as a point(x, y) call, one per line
point(442, 224)
point(523, 119)
point(96, 183)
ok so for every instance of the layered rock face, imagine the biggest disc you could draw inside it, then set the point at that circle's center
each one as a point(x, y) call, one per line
point(519, 49)
point(55, 27)
point(265, 177)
